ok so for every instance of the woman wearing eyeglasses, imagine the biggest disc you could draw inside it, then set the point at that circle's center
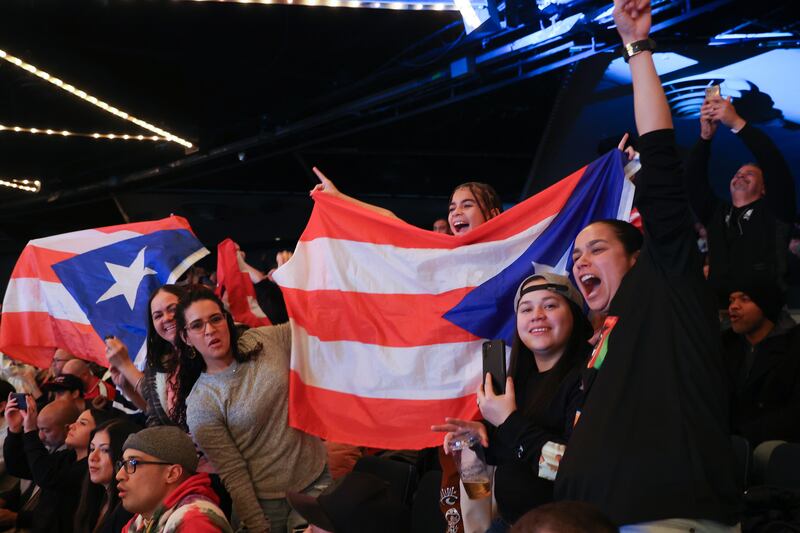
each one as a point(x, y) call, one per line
point(238, 412)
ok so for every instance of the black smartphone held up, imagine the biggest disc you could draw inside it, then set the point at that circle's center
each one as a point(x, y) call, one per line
point(494, 362)
point(22, 402)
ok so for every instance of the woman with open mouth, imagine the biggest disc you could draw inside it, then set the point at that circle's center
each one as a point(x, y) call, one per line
point(651, 447)
point(238, 409)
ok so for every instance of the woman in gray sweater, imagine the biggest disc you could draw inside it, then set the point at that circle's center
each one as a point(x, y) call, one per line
point(237, 413)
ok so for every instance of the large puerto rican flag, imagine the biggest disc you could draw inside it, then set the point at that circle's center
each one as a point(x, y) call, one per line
point(71, 290)
point(388, 319)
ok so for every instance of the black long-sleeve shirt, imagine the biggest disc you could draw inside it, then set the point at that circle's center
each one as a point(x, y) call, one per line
point(747, 243)
point(59, 477)
point(516, 444)
point(653, 440)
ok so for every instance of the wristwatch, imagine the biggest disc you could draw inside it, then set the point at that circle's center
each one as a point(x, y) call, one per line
point(631, 49)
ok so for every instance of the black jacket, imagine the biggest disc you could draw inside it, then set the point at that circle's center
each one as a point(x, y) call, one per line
point(58, 475)
point(515, 445)
point(748, 243)
point(765, 385)
point(652, 441)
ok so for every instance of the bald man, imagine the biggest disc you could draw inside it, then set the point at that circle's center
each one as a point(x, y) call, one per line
point(92, 385)
point(53, 422)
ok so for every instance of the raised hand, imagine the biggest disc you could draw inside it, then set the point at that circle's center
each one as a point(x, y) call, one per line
point(326, 185)
point(632, 18)
point(13, 415)
point(495, 408)
point(722, 109)
point(116, 352)
point(30, 416)
point(629, 152)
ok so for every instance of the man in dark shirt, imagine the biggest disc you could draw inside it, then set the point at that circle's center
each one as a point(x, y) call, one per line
point(748, 237)
point(762, 356)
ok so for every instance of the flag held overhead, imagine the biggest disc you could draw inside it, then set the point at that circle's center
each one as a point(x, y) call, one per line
point(71, 290)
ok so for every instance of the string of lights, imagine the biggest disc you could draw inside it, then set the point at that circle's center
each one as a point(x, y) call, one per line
point(380, 4)
point(83, 95)
point(22, 184)
point(67, 133)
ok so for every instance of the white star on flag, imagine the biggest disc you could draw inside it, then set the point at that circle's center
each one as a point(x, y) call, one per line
point(127, 279)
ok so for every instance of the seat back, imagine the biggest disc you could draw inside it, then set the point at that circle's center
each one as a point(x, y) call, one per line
point(401, 476)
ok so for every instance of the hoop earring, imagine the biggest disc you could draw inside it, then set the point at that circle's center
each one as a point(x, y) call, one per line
point(193, 353)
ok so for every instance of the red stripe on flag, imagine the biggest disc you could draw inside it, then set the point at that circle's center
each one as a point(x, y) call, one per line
point(346, 220)
point(377, 318)
point(32, 338)
point(350, 419)
point(34, 262)
point(150, 226)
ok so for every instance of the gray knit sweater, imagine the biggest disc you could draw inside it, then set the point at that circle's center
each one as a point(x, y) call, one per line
point(239, 418)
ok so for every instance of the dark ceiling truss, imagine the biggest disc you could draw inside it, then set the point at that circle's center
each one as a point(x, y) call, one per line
point(475, 66)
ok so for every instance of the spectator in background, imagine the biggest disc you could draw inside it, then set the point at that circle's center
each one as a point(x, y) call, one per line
point(60, 358)
point(762, 355)
point(93, 386)
point(35, 508)
point(440, 225)
point(7, 481)
point(747, 237)
point(58, 474)
point(100, 510)
point(67, 387)
point(158, 482)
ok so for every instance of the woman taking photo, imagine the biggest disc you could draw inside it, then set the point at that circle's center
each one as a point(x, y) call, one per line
point(651, 448)
point(550, 350)
point(99, 510)
point(238, 413)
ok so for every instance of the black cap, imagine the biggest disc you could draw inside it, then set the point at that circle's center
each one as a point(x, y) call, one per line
point(357, 503)
point(64, 382)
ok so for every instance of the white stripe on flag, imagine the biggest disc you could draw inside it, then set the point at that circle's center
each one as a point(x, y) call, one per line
point(435, 372)
point(79, 242)
point(33, 295)
point(362, 266)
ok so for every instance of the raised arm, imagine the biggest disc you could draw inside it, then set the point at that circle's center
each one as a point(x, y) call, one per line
point(661, 196)
point(328, 187)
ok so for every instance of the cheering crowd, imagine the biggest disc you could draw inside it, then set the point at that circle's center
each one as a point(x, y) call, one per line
point(644, 396)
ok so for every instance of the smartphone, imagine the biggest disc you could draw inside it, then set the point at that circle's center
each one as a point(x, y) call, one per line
point(22, 402)
point(494, 362)
point(713, 91)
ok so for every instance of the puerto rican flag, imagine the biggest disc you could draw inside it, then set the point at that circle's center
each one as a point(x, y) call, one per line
point(388, 319)
point(71, 290)
point(235, 284)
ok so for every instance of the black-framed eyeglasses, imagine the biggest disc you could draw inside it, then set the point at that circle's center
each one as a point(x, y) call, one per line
point(196, 326)
point(131, 464)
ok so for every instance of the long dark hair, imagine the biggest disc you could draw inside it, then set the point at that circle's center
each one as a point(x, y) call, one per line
point(94, 497)
point(630, 237)
point(523, 364)
point(158, 349)
point(485, 195)
point(191, 362)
